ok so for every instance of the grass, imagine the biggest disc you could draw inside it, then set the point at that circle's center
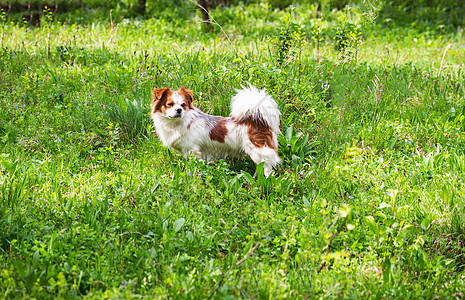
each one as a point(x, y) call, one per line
point(369, 200)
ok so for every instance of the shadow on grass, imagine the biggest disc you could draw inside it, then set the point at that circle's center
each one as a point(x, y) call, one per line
point(439, 16)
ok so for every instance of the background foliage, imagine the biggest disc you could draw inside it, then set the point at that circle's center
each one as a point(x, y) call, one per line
point(369, 199)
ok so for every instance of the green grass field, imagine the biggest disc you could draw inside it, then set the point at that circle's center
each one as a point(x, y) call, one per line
point(369, 201)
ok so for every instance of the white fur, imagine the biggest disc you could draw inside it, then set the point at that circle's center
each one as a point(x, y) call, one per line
point(189, 132)
point(250, 101)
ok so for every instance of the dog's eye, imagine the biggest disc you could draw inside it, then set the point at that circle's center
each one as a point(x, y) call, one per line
point(170, 104)
point(183, 105)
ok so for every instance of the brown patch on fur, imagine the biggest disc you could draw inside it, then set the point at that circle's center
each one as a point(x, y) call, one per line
point(220, 131)
point(259, 132)
point(188, 97)
point(192, 121)
point(160, 97)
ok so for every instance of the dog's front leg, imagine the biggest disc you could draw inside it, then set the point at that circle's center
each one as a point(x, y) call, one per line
point(171, 140)
point(187, 153)
point(198, 153)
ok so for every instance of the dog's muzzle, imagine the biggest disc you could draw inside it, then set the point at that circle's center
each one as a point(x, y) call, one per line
point(178, 113)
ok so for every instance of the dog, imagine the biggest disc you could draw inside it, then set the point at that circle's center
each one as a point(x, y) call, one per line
point(251, 129)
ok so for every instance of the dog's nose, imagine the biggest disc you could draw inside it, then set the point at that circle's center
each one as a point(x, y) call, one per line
point(179, 110)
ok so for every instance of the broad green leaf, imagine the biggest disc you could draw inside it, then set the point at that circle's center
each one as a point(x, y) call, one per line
point(384, 205)
point(372, 224)
point(402, 208)
point(35, 258)
point(306, 203)
point(289, 133)
point(189, 236)
point(178, 224)
point(248, 177)
point(344, 211)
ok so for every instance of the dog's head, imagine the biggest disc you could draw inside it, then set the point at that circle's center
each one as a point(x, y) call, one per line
point(171, 104)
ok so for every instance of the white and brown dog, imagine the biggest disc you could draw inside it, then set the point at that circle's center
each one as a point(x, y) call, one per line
point(251, 129)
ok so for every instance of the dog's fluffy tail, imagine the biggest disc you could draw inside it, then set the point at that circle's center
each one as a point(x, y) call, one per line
point(250, 102)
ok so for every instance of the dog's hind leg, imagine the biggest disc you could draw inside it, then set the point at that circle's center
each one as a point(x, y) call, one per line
point(269, 157)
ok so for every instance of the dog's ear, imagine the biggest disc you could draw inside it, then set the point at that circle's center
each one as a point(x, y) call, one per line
point(157, 94)
point(159, 97)
point(188, 95)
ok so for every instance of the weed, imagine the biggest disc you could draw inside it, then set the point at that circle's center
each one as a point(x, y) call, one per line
point(289, 40)
point(130, 118)
point(316, 35)
point(295, 147)
point(347, 39)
